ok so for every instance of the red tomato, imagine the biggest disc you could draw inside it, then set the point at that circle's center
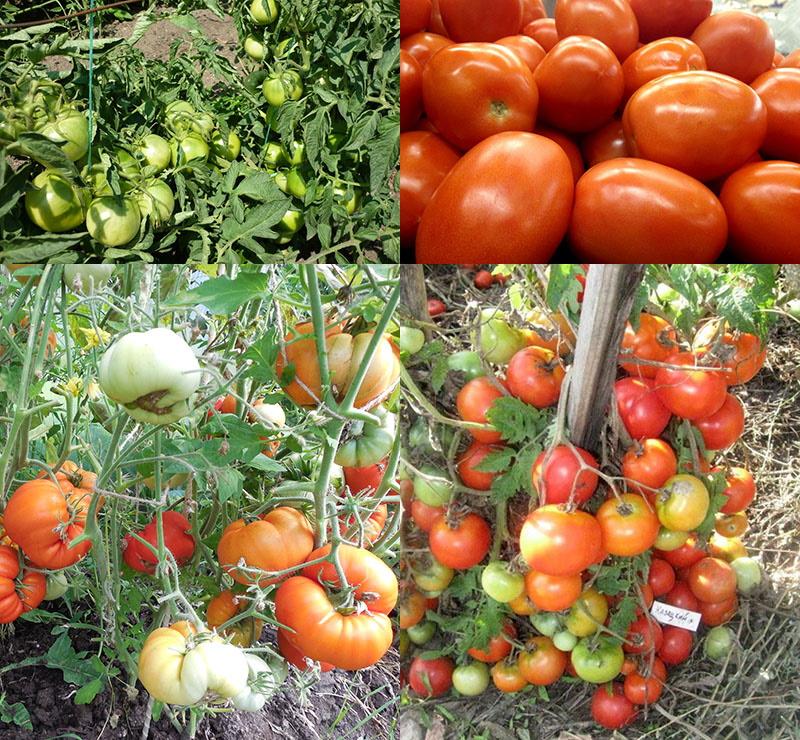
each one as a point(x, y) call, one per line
point(762, 202)
point(432, 677)
point(681, 595)
point(425, 160)
point(414, 16)
point(608, 142)
point(424, 515)
point(472, 91)
point(611, 708)
point(534, 375)
point(410, 90)
point(483, 280)
point(779, 89)
point(580, 84)
point(660, 18)
point(645, 688)
point(629, 525)
point(702, 123)
point(712, 580)
point(658, 213)
point(676, 646)
point(525, 48)
point(436, 307)
point(476, 20)
point(469, 460)
point(741, 490)
point(639, 407)
point(460, 546)
point(532, 10)
point(422, 46)
point(793, 60)
point(552, 593)
point(685, 555)
point(473, 402)
point(659, 58)
point(736, 43)
point(610, 21)
point(559, 542)
point(661, 577)
point(716, 613)
point(689, 393)
point(437, 25)
point(570, 149)
point(644, 635)
point(654, 339)
point(497, 648)
point(543, 31)
point(741, 354)
point(559, 475)
point(722, 429)
point(507, 200)
point(650, 463)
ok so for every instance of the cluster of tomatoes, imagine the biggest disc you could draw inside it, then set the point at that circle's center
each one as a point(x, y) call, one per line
point(617, 131)
point(655, 504)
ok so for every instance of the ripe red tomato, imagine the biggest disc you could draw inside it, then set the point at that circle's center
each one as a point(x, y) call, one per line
point(685, 555)
point(629, 525)
point(436, 307)
point(497, 648)
point(475, 20)
point(658, 58)
point(640, 408)
point(611, 708)
point(422, 46)
point(762, 202)
point(507, 200)
point(644, 635)
point(437, 24)
point(722, 429)
point(424, 515)
point(712, 579)
point(543, 31)
point(660, 18)
point(779, 89)
point(460, 546)
point(559, 542)
point(689, 393)
point(661, 576)
point(676, 646)
point(534, 375)
point(736, 43)
point(741, 354)
point(472, 91)
point(650, 463)
point(580, 84)
point(414, 16)
point(469, 460)
point(532, 10)
point(741, 490)
point(530, 51)
point(178, 540)
point(541, 663)
point(571, 150)
point(432, 677)
point(473, 402)
point(425, 160)
point(558, 475)
point(702, 123)
point(507, 677)
point(483, 280)
point(681, 595)
point(641, 688)
point(655, 339)
point(552, 593)
point(715, 613)
point(410, 90)
point(610, 21)
point(656, 211)
point(608, 142)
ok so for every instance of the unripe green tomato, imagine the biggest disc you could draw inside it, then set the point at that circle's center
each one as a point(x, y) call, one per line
point(291, 222)
point(547, 623)
point(273, 155)
point(296, 183)
point(435, 490)
point(70, 130)
point(54, 203)
point(565, 640)
point(467, 362)
point(189, 149)
point(668, 539)
point(92, 277)
point(156, 201)
point(296, 154)
point(113, 221)
point(718, 643)
point(281, 181)
point(255, 48)
point(501, 584)
point(411, 340)
point(178, 116)
point(127, 164)
point(495, 338)
point(263, 12)
point(282, 86)
point(421, 632)
point(155, 150)
point(229, 149)
point(203, 124)
point(57, 584)
point(748, 574)
point(350, 202)
point(471, 679)
point(336, 140)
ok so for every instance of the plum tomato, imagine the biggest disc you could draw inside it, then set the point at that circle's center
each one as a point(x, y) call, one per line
point(477, 20)
point(410, 91)
point(659, 58)
point(610, 21)
point(661, 18)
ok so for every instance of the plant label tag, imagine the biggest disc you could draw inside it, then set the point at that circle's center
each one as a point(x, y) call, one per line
point(667, 614)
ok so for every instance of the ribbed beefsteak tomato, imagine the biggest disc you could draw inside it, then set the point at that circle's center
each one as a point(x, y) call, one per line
point(19, 591)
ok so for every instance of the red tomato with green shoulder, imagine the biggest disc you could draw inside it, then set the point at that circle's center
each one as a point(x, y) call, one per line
point(610, 21)
point(611, 708)
point(410, 90)
point(415, 15)
point(476, 20)
point(563, 473)
point(432, 677)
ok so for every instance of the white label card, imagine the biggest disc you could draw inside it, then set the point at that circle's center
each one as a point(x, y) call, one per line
point(667, 614)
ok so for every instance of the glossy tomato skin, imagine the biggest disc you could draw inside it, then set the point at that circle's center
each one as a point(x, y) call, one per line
point(712, 580)
point(423, 45)
point(534, 375)
point(762, 201)
point(532, 10)
point(779, 89)
point(627, 210)
point(742, 355)
point(722, 429)
point(560, 543)
point(610, 21)
point(676, 646)
point(646, 689)
point(474, 401)
point(702, 123)
point(530, 51)
point(414, 16)
point(580, 85)
point(463, 545)
point(475, 20)
point(507, 200)
point(685, 555)
point(661, 18)
point(658, 58)
point(650, 464)
point(570, 149)
point(716, 613)
point(741, 490)
point(498, 646)
point(690, 393)
point(640, 408)
point(629, 525)
point(661, 577)
point(430, 678)
point(543, 31)
point(607, 142)
point(644, 635)
point(552, 593)
point(425, 160)
point(472, 91)
point(556, 473)
point(654, 339)
point(542, 663)
point(611, 708)
point(736, 43)
point(410, 91)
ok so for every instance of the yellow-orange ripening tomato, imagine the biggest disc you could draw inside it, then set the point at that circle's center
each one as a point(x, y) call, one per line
point(345, 354)
point(506, 200)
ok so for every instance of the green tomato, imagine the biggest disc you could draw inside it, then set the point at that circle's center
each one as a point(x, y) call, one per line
point(597, 659)
point(501, 584)
point(748, 574)
point(421, 632)
point(433, 578)
point(113, 221)
point(336, 140)
point(496, 340)
point(281, 181)
point(255, 48)
point(296, 183)
point(296, 153)
point(155, 150)
point(127, 164)
point(54, 203)
point(71, 130)
point(436, 489)
point(178, 116)
point(203, 124)
point(227, 150)
point(403, 644)
point(411, 340)
point(565, 640)
point(153, 374)
point(468, 362)
point(365, 444)
point(289, 225)
point(273, 155)
point(189, 149)
point(349, 198)
point(668, 539)
point(156, 201)
point(718, 643)
point(471, 679)
point(87, 278)
point(547, 623)
point(282, 86)
point(57, 584)
point(263, 12)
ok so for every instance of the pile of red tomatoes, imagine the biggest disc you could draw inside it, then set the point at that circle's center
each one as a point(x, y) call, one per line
point(618, 131)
